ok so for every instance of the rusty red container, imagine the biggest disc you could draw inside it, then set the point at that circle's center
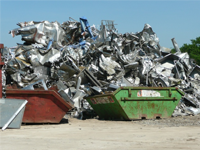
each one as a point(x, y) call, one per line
point(44, 106)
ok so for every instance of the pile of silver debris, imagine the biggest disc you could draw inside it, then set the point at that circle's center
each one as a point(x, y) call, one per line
point(82, 60)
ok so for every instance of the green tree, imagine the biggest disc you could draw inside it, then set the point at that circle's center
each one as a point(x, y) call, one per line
point(173, 51)
point(193, 49)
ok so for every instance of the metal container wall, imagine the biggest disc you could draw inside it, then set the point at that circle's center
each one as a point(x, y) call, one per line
point(44, 106)
point(8, 107)
point(130, 103)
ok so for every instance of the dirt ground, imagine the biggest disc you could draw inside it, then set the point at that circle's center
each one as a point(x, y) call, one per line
point(71, 134)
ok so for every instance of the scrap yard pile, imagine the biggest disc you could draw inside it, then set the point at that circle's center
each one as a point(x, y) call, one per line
point(81, 60)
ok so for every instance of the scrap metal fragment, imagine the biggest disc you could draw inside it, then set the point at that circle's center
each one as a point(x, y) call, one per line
point(31, 86)
point(92, 78)
point(175, 45)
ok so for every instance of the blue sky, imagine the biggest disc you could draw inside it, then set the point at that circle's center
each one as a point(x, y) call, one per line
point(169, 19)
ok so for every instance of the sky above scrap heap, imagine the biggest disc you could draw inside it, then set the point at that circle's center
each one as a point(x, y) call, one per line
point(168, 19)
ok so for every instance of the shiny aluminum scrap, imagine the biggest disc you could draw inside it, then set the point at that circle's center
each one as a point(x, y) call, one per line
point(82, 60)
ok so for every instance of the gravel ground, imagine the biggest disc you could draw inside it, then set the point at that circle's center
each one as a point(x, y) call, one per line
point(72, 134)
point(173, 121)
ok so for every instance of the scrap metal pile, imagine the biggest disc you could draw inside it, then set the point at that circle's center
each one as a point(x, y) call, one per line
point(81, 60)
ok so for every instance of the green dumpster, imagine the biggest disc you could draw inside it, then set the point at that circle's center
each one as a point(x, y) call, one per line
point(131, 103)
